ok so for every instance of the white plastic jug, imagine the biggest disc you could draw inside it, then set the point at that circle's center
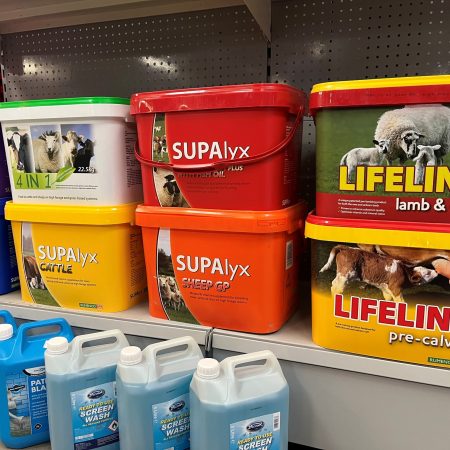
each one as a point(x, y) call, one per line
point(82, 391)
point(153, 394)
point(241, 403)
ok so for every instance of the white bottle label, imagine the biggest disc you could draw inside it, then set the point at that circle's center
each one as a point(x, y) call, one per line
point(257, 433)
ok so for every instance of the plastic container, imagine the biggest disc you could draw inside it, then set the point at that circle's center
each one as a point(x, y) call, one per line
point(6, 317)
point(9, 277)
point(381, 288)
point(154, 383)
point(241, 403)
point(73, 151)
point(87, 258)
point(383, 148)
point(5, 189)
point(236, 270)
point(23, 401)
point(81, 385)
point(228, 147)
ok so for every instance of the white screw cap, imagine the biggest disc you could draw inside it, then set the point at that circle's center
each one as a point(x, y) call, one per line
point(57, 345)
point(208, 368)
point(129, 356)
point(6, 331)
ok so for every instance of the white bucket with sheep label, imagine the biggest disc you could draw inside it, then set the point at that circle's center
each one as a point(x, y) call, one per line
point(74, 151)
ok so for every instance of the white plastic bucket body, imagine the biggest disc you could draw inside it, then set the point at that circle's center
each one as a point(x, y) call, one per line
point(97, 167)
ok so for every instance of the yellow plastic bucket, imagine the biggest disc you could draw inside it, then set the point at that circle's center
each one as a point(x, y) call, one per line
point(87, 258)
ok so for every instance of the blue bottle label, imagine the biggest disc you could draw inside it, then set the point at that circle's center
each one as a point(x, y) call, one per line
point(27, 402)
point(171, 424)
point(95, 417)
point(258, 433)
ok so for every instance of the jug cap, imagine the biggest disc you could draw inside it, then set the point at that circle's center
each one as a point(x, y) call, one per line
point(6, 331)
point(129, 356)
point(208, 368)
point(57, 345)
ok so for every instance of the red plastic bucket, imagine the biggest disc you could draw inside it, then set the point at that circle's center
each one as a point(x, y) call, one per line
point(230, 147)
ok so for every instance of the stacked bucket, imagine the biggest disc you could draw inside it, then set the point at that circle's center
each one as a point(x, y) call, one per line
point(381, 236)
point(222, 222)
point(75, 185)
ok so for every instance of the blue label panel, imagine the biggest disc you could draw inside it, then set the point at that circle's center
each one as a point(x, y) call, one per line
point(95, 417)
point(171, 424)
point(258, 433)
point(27, 402)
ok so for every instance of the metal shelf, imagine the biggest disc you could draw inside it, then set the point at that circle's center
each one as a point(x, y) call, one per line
point(27, 15)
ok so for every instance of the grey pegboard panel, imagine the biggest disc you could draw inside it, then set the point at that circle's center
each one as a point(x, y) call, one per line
point(213, 47)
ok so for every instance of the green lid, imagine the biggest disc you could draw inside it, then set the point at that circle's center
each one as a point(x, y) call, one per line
point(67, 101)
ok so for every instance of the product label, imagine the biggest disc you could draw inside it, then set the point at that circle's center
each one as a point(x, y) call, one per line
point(171, 424)
point(27, 402)
point(392, 163)
point(258, 433)
point(95, 417)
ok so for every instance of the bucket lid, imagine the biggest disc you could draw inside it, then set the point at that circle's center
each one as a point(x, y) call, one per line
point(66, 101)
point(378, 232)
point(71, 215)
point(220, 97)
point(289, 219)
point(3, 202)
point(380, 92)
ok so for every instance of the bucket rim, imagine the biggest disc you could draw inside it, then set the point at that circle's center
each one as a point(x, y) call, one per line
point(236, 96)
point(220, 220)
point(66, 101)
point(378, 232)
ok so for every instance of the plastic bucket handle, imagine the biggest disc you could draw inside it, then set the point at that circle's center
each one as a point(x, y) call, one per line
point(79, 353)
point(7, 318)
point(191, 350)
point(226, 162)
point(24, 338)
point(271, 363)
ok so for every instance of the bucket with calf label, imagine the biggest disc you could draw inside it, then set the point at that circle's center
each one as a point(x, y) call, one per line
point(88, 258)
point(236, 270)
point(230, 147)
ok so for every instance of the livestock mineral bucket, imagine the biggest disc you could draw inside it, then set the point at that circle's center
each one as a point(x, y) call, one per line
point(230, 147)
point(71, 151)
point(236, 270)
point(9, 278)
point(88, 258)
point(381, 288)
point(383, 148)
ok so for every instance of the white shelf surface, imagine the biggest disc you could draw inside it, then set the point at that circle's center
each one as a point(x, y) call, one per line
point(135, 321)
point(27, 15)
point(294, 343)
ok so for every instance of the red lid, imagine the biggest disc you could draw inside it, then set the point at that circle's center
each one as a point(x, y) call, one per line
point(380, 92)
point(220, 97)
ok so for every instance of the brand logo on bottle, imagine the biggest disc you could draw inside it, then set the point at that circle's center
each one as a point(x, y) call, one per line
point(98, 393)
point(255, 426)
point(177, 406)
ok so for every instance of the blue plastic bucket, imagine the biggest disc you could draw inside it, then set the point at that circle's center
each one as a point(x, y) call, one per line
point(9, 276)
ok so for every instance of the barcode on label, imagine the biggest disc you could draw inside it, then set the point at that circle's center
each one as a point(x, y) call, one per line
point(289, 254)
point(276, 421)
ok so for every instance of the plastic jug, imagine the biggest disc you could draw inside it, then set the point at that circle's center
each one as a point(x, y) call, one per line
point(6, 317)
point(81, 386)
point(241, 403)
point(23, 392)
point(153, 394)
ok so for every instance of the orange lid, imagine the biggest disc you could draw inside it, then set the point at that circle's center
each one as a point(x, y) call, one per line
point(289, 219)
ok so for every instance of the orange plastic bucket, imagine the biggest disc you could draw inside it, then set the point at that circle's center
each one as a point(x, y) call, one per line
point(235, 270)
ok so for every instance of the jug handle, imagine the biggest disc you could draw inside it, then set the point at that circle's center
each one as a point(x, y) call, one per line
point(271, 362)
point(8, 318)
point(23, 337)
point(191, 350)
point(77, 344)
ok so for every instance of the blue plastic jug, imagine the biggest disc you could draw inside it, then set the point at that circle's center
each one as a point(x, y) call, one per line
point(9, 275)
point(6, 317)
point(153, 394)
point(81, 381)
point(23, 392)
point(241, 403)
